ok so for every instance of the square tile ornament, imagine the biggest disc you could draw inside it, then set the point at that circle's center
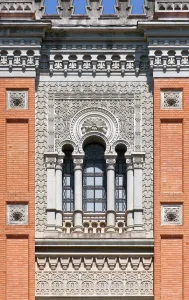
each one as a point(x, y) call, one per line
point(171, 214)
point(17, 99)
point(171, 99)
point(17, 214)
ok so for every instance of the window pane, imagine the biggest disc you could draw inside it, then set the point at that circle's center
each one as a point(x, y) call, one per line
point(90, 181)
point(98, 194)
point(98, 168)
point(89, 169)
point(98, 181)
point(120, 189)
point(94, 183)
point(120, 181)
point(67, 181)
point(90, 194)
point(90, 206)
point(68, 185)
point(98, 207)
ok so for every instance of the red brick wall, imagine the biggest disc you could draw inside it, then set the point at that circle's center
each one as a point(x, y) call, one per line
point(171, 156)
point(171, 185)
point(17, 268)
point(17, 165)
point(171, 268)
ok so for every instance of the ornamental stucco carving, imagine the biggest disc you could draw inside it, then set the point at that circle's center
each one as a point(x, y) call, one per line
point(128, 106)
point(40, 148)
point(96, 276)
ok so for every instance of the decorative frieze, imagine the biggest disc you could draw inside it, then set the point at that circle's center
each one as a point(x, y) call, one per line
point(19, 7)
point(94, 64)
point(94, 263)
point(17, 214)
point(169, 6)
point(171, 214)
point(97, 276)
point(17, 99)
point(171, 99)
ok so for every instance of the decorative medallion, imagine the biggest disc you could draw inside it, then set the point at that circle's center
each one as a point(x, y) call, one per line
point(94, 120)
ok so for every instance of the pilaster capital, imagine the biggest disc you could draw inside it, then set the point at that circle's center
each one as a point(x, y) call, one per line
point(138, 159)
point(50, 160)
point(78, 162)
point(110, 162)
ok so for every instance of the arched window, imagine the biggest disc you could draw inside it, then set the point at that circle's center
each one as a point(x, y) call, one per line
point(68, 183)
point(94, 179)
point(120, 183)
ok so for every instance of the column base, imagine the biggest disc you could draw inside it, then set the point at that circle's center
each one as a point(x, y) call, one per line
point(59, 229)
point(78, 229)
point(110, 229)
point(51, 228)
point(138, 228)
point(130, 228)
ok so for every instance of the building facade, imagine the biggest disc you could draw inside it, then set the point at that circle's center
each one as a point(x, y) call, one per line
point(94, 125)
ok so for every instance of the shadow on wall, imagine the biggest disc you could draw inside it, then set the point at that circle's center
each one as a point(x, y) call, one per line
point(108, 6)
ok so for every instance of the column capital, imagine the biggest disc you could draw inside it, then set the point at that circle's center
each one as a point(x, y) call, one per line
point(59, 160)
point(129, 162)
point(110, 161)
point(78, 162)
point(50, 159)
point(138, 159)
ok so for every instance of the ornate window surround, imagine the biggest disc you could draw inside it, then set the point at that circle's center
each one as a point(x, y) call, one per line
point(94, 124)
point(134, 213)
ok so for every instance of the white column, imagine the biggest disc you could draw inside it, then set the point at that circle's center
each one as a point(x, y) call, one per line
point(110, 213)
point(59, 203)
point(50, 160)
point(130, 193)
point(138, 159)
point(78, 194)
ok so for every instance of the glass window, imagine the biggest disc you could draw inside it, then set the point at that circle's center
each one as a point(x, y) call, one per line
point(94, 179)
point(68, 184)
point(120, 183)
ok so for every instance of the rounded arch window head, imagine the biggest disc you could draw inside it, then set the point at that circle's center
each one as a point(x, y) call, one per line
point(94, 139)
point(67, 149)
